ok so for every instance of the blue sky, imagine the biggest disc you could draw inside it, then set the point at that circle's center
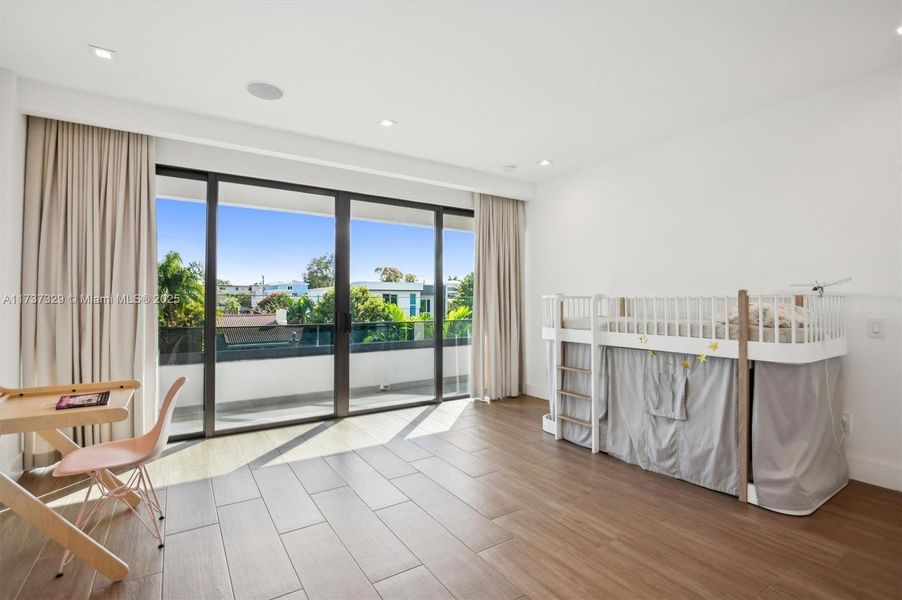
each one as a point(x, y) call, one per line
point(278, 244)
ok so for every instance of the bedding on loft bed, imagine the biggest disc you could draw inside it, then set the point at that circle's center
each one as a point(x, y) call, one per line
point(682, 422)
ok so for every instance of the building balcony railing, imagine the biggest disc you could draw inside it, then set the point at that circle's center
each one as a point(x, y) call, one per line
point(185, 345)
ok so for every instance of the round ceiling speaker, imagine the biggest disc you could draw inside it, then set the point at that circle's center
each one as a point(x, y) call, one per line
point(263, 90)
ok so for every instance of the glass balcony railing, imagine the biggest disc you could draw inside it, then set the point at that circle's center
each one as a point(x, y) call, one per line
point(185, 345)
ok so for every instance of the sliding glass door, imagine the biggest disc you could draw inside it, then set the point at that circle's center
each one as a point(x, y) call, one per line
point(274, 308)
point(301, 303)
point(392, 291)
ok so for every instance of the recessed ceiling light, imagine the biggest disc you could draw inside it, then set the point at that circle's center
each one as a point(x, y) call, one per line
point(899, 30)
point(387, 122)
point(264, 90)
point(104, 53)
point(544, 162)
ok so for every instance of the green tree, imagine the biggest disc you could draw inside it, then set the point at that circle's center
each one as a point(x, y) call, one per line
point(389, 274)
point(367, 308)
point(464, 296)
point(396, 314)
point(244, 301)
point(364, 307)
point(299, 311)
point(231, 305)
point(323, 310)
point(394, 275)
point(184, 285)
point(458, 322)
point(320, 271)
point(271, 303)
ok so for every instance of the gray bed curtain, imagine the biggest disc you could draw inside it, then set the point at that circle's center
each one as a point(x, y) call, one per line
point(659, 415)
point(797, 455)
point(89, 233)
point(682, 422)
point(697, 441)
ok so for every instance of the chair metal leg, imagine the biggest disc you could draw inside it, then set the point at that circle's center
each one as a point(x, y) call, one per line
point(153, 492)
point(85, 514)
point(153, 503)
point(138, 485)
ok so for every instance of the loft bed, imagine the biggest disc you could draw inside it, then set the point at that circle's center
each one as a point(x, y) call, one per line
point(737, 393)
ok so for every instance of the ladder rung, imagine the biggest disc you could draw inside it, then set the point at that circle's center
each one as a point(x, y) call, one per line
point(575, 420)
point(574, 369)
point(574, 395)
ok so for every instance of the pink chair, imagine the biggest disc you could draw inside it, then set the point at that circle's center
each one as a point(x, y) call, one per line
point(133, 453)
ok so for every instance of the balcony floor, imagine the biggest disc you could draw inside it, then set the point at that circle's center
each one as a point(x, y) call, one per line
point(265, 411)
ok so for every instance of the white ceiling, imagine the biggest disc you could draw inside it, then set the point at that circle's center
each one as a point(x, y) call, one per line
point(473, 84)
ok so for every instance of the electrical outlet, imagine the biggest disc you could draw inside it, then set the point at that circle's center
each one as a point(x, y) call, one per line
point(847, 423)
point(876, 328)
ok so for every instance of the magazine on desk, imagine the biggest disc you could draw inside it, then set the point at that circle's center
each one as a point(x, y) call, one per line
point(83, 400)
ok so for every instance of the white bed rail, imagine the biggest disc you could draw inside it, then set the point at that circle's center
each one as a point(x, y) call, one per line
point(558, 307)
point(776, 319)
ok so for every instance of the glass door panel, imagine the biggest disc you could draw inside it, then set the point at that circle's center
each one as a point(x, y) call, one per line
point(275, 306)
point(457, 330)
point(392, 338)
point(181, 252)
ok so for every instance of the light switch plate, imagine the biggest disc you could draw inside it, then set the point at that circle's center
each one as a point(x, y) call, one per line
point(876, 328)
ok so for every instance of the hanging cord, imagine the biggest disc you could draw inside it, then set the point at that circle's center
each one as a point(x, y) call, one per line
point(842, 435)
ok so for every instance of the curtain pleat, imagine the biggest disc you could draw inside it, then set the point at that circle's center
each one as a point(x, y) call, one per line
point(497, 357)
point(89, 233)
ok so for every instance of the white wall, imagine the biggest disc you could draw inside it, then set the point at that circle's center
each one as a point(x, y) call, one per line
point(235, 162)
point(802, 190)
point(12, 173)
point(56, 102)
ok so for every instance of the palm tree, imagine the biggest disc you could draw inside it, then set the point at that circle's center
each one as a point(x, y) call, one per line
point(184, 286)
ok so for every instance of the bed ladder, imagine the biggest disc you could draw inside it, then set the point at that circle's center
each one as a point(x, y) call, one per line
point(560, 416)
point(560, 393)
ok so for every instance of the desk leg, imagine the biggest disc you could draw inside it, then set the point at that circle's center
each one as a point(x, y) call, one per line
point(44, 518)
point(61, 442)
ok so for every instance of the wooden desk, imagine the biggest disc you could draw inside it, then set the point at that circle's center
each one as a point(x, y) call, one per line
point(34, 409)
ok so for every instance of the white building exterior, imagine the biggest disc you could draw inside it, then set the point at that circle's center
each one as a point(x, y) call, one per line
point(413, 298)
point(292, 287)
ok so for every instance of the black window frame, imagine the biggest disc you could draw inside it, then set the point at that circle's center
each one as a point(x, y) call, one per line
point(342, 316)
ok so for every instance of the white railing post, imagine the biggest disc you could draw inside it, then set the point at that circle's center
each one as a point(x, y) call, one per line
point(594, 355)
point(558, 356)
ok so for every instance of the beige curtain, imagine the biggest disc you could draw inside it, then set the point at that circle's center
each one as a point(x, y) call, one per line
point(89, 240)
point(497, 369)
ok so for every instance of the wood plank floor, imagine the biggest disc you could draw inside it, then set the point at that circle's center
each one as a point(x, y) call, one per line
point(465, 500)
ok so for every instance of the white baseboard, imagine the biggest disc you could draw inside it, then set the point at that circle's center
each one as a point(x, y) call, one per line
point(537, 390)
point(876, 472)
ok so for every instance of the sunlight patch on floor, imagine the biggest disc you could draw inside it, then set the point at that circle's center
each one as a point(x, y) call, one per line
point(187, 461)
